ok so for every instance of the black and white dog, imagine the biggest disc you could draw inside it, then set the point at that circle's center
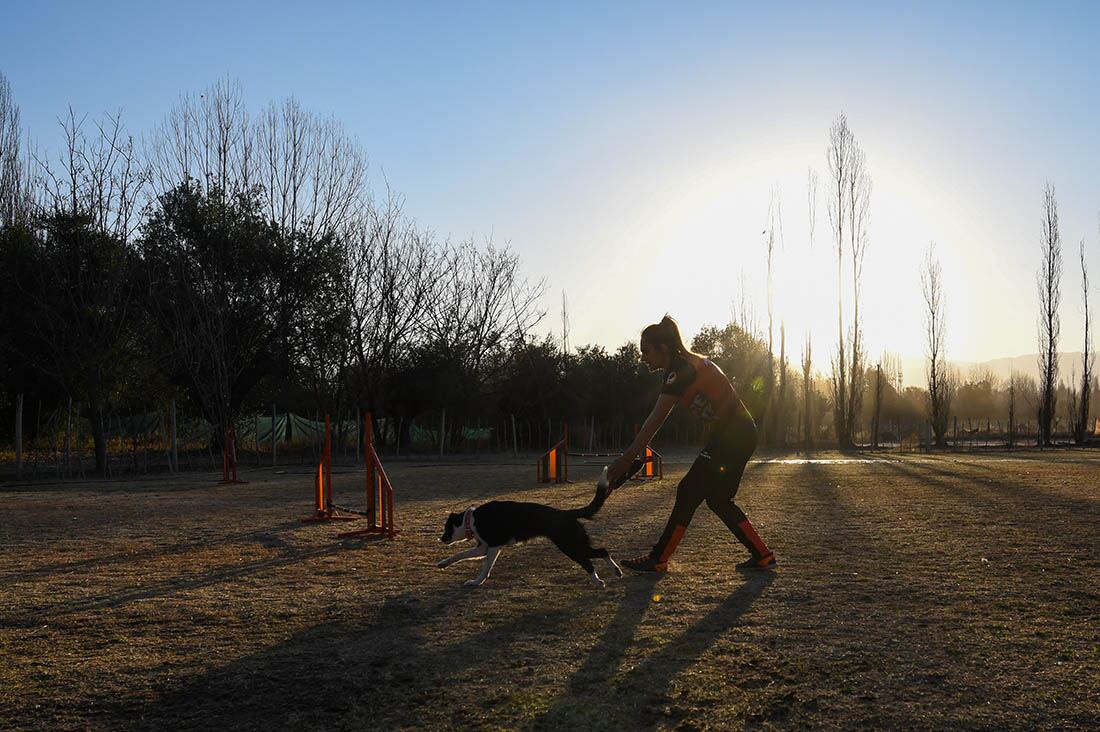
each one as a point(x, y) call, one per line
point(497, 524)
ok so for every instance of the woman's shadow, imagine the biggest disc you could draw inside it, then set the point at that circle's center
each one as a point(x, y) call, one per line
point(633, 691)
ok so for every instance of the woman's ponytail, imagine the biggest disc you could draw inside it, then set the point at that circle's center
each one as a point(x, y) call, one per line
point(666, 333)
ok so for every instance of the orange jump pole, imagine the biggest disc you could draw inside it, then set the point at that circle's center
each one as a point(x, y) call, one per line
point(553, 466)
point(229, 458)
point(653, 463)
point(323, 509)
point(379, 491)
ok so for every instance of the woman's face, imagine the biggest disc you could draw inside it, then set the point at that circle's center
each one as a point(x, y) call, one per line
point(654, 357)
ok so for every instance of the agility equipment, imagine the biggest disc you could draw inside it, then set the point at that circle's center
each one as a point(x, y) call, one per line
point(553, 466)
point(229, 458)
point(324, 509)
point(379, 491)
point(654, 467)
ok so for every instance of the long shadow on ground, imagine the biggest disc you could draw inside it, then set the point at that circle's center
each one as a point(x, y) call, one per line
point(267, 536)
point(1002, 503)
point(384, 673)
point(631, 701)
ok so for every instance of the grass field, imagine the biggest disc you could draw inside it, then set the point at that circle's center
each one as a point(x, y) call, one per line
point(931, 592)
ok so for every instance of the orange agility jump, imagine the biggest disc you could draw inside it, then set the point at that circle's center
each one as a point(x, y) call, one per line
point(379, 511)
point(324, 509)
point(379, 491)
point(553, 465)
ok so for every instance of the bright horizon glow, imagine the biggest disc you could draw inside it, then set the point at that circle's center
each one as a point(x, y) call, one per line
point(629, 156)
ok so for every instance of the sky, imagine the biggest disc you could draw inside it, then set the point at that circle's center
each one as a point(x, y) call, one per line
point(628, 152)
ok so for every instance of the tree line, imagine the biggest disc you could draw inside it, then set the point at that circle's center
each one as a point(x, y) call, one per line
point(228, 260)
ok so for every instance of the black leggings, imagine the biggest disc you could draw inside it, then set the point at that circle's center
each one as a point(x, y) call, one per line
point(714, 477)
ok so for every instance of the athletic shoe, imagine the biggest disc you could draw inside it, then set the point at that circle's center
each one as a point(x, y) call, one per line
point(645, 563)
point(753, 564)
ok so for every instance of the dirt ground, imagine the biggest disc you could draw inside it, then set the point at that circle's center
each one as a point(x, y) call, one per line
point(928, 592)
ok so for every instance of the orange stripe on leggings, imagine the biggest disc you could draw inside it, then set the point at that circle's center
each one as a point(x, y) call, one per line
point(758, 544)
point(677, 534)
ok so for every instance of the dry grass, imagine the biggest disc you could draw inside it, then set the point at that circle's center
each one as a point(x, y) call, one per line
point(928, 592)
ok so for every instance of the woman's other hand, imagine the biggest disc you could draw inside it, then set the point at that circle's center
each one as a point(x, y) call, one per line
point(617, 470)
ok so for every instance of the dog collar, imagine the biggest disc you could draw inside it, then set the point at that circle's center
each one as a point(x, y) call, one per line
point(468, 523)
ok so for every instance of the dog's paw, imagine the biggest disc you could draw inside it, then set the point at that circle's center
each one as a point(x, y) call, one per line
point(442, 564)
point(597, 581)
point(472, 583)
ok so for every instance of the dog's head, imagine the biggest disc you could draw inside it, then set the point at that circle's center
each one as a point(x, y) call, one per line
point(452, 530)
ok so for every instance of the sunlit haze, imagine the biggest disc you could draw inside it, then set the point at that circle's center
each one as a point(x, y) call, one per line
point(629, 152)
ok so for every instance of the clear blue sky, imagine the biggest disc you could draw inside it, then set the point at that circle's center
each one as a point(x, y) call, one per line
point(628, 151)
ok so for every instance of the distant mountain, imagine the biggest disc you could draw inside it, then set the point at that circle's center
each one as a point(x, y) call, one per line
point(913, 369)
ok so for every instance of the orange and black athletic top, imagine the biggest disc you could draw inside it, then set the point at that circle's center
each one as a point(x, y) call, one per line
point(702, 387)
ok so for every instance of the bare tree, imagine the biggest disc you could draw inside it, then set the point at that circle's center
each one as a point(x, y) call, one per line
point(1013, 395)
point(849, 196)
point(483, 303)
point(781, 401)
point(811, 200)
point(99, 177)
point(772, 235)
point(480, 310)
point(807, 352)
point(394, 270)
point(564, 326)
point(1088, 359)
point(207, 138)
point(1048, 281)
point(14, 177)
point(807, 393)
point(312, 174)
point(859, 215)
point(83, 295)
point(879, 384)
point(1024, 399)
point(885, 370)
point(743, 313)
point(940, 383)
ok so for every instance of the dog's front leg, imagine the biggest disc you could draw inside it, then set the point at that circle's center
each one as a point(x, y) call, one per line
point(473, 552)
point(487, 567)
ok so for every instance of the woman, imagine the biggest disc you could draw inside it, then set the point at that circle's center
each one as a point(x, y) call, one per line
point(697, 383)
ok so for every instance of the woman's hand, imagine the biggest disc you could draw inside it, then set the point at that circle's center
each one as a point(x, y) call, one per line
point(617, 469)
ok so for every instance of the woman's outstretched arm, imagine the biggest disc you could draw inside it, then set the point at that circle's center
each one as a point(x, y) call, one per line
point(656, 418)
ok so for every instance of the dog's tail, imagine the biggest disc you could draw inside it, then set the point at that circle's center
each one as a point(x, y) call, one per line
point(604, 488)
point(597, 500)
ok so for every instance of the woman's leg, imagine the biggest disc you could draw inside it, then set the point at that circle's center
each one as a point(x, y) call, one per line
point(689, 495)
point(738, 523)
point(733, 456)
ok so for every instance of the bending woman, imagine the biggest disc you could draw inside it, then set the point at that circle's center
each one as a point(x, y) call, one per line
point(698, 384)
